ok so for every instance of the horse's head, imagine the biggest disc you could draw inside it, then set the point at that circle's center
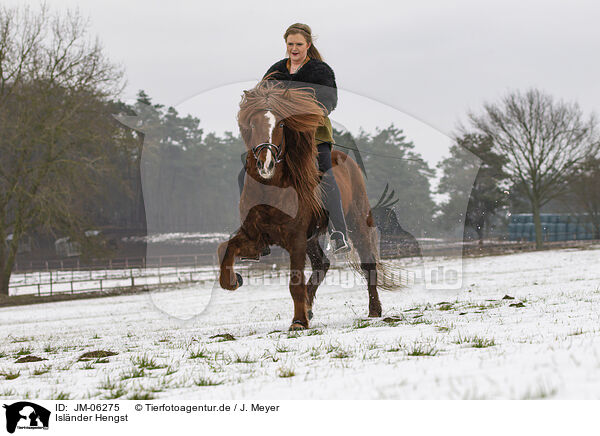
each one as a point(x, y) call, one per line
point(271, 115)
point(266, 141)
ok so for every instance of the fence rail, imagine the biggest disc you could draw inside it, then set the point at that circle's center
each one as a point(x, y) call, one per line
point(73, 282)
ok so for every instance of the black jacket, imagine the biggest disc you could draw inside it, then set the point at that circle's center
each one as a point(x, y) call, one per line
point(314, 73)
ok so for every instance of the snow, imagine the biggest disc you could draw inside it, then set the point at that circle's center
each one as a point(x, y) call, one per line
point(544, 343)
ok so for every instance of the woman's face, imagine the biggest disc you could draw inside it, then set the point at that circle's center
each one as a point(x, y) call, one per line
point(297, 47)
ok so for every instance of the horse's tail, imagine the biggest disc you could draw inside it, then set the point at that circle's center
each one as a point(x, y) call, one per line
point(390, 276)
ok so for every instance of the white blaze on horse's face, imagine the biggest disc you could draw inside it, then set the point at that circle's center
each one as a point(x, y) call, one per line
point(271, 119)
point(266, 159)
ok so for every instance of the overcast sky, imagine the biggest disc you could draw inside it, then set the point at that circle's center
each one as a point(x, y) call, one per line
point(419, 64)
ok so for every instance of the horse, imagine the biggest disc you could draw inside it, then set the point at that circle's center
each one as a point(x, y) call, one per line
point(281, 198)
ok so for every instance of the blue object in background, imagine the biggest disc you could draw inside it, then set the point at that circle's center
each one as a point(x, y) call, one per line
point(555, 227)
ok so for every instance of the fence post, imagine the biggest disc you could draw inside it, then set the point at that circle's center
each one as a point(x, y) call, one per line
point(132, 282)
point(50, 282)
point(100, 285)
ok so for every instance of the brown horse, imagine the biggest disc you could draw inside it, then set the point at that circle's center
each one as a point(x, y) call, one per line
point(281, 200)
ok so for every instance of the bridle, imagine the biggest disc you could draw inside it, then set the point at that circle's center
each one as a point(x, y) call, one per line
point(275, 149)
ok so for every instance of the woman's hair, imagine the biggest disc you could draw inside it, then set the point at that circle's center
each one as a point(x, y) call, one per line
point(304, 30)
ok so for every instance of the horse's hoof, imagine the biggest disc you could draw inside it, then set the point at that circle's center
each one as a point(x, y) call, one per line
point(239, 279)
point(375, 313)
point(310, 314)
point(297, 326)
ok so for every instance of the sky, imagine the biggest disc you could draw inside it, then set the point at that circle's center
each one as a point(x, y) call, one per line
point(422, 65)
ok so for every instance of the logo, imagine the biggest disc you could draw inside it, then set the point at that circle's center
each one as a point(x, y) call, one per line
point(26, 415)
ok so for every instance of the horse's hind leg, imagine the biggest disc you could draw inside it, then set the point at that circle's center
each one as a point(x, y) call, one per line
point(320, 265)
point(364, 244)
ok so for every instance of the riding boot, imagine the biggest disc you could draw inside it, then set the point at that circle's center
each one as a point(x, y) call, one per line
point(332, 201)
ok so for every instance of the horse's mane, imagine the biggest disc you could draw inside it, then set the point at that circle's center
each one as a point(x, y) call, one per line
point(301, 114)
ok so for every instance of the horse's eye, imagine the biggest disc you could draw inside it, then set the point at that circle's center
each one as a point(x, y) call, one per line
point(281, 125)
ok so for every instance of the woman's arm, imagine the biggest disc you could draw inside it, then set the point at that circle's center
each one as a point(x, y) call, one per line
point(321, 75)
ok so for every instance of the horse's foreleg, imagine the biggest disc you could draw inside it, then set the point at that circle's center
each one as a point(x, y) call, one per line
point(227, 251)
point(320, 265)
point(298, 286)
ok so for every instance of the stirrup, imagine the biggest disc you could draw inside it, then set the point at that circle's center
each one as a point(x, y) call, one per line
point(339, 243)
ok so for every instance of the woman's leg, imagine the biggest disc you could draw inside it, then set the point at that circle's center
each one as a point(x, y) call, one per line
point(332, 200)
point(242, 173)
point(241, 177)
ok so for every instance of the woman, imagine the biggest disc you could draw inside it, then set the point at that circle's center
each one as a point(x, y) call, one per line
point(305, 65)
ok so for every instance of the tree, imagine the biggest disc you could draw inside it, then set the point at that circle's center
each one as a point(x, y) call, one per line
point(584, 191)
point(485, 196)
point(391, 160)
point(56, 129)
point(544, 141)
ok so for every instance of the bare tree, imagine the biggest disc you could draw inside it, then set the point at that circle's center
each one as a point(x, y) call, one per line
point(57, 134)
point(544, 141)
point(584, 192)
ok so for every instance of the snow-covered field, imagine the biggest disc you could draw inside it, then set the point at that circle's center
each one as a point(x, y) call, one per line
point(465, 344)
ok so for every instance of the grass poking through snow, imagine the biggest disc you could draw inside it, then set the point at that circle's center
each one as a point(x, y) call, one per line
point(284, 372)
point(421, 350)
